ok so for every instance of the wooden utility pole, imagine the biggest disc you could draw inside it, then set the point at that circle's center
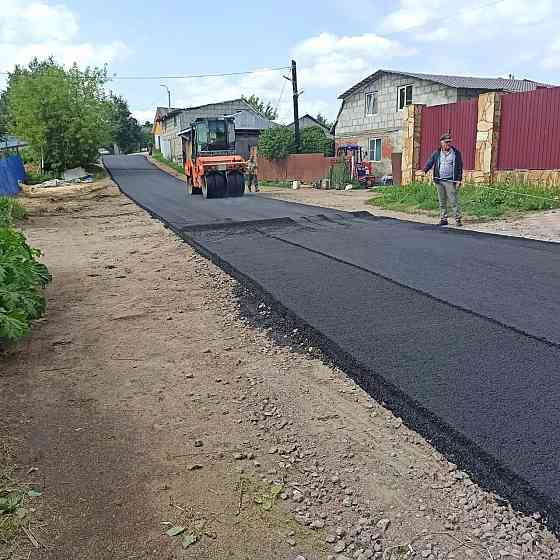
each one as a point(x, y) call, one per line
point(296, 108)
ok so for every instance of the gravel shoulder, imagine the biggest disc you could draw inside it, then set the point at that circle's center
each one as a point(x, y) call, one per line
point(539, 225)
point(158, 392)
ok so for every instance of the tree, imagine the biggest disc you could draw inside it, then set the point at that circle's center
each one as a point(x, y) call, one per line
point(315, 141)
point(276, 143)
point(323, 120)
point(261, 106)
point(126, 133)
point(63, 114)
point(3, 116)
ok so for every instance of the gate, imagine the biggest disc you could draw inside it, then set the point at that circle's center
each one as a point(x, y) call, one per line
point(458, 118)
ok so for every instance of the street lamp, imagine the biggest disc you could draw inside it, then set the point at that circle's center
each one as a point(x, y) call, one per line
point(168, 94)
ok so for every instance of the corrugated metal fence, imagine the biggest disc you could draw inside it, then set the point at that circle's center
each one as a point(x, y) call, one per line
point(530, 130)
point(459, 118)
point(301, 167)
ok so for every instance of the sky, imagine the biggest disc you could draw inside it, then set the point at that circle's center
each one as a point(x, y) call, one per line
point(334, 43)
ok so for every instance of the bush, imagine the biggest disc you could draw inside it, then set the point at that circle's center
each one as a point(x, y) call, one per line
point(22, 277)
point(315, 141)
point(276, 143)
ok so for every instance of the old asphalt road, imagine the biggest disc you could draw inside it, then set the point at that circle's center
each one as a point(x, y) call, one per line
point(458, 332)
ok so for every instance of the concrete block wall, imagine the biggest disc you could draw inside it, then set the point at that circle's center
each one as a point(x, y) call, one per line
point(355, 126)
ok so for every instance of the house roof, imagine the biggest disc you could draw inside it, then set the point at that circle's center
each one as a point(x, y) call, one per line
point(460, 82)
point(249, 119)
point(10, 142)
point(162, 112)
point(308, 116)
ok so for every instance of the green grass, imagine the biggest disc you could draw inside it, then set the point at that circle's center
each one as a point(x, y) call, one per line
point(278, 184)
point(159, 157)
point(11, 211)
point(477, 201)
point(16, 507)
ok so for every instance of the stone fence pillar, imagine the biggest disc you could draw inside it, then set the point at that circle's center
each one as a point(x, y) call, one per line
point(487, 136)
point(411, 142)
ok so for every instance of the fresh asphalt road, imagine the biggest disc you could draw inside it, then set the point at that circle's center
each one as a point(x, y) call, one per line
point(465, 326)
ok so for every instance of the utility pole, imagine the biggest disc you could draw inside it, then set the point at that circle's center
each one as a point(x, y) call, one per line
point(296, 95)
point(296, 107)
point(168, 95)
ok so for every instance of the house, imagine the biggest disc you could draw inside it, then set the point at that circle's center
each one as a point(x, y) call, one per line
point(248, 124)
point(157, 129)
point(372, 111)
point(307, 120)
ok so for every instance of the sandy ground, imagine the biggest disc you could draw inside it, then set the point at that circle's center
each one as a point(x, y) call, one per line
point(541, 225)
point(153, 395)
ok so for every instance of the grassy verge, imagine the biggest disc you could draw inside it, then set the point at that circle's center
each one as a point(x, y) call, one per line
point(278, 184)
point(158, 156)
point(478, 201)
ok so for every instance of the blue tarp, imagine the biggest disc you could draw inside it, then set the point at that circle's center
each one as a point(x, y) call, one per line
point(11, 171)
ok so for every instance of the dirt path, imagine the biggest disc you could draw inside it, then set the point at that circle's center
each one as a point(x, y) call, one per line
point(153, 392)
point(539, 225)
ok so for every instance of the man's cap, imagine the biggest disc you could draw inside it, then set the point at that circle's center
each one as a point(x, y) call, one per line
point(445, 136)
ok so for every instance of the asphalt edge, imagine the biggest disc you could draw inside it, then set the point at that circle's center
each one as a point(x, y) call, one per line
point(483, 468)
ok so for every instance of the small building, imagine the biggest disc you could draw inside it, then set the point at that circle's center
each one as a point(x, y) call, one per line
point(10, 144)
point(248, 124)
point(307, 121)
point(372, 111)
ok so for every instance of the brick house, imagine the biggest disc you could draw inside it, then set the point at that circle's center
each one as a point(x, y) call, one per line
point(248, 123)
point(372, 111)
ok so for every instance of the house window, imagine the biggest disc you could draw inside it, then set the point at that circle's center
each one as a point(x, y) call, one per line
point(404, 97)
point(371, 103)
point(375, 149)
point(174, 120)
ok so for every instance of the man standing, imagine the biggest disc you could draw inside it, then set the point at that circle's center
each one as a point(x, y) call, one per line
point(252, 178)
point(447, 164)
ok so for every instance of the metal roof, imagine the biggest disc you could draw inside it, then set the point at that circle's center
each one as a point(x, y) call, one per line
point(11, 142)
point(459, 82)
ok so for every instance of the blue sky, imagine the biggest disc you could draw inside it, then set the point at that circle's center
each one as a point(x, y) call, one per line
point(335, 43)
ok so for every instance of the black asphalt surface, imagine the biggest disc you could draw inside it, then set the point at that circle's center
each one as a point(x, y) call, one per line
point(457, 331)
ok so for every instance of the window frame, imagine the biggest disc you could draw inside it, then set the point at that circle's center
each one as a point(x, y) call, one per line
point(372, 152)
point(401, 88)
point(374, 94)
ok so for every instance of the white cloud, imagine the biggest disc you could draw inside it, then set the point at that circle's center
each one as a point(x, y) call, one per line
point(41, 30)
point(468, 22)
point(332, 61)
point(551, 60)
point(144, 115)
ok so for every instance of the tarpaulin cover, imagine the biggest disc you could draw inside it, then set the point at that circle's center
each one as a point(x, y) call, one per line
point(11, 171)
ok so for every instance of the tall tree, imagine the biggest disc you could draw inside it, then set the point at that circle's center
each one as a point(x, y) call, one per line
point(323, 120)
point(62, 113)
point(3, 116)
point(126, 132)
point(264, 107)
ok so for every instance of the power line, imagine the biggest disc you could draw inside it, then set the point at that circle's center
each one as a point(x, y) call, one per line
point(189, 76)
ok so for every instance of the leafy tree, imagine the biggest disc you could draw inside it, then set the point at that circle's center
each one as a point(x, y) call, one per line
point(63, 114)
point(3, 116)
point(127, 134)
point(315, 141)
point(323, 120)
point(276, 143)
point(261, 106)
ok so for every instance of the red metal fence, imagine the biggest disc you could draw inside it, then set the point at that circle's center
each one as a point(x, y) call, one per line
point(530, 130)
point(459, 118)
point(301, 167)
